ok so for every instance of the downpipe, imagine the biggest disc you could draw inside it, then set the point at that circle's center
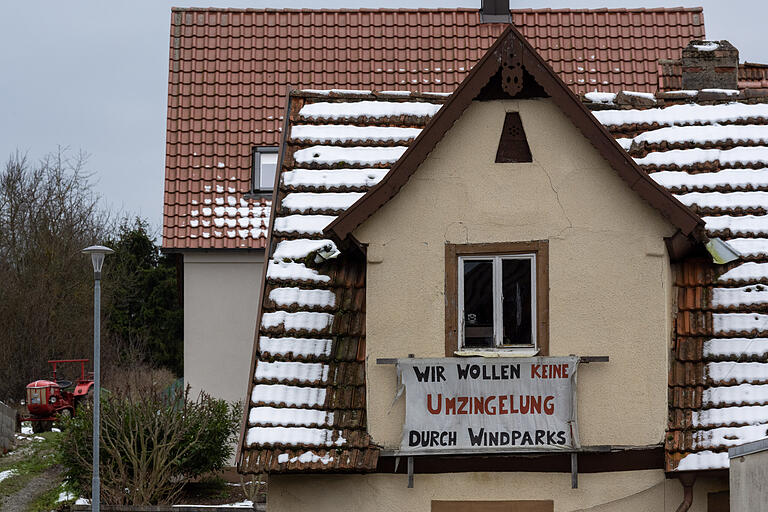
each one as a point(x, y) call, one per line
point(687, 480)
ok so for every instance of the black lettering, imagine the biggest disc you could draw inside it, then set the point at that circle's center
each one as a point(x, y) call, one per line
point(504, 438)
point(540, 436)
point(476, 440)
point(561, 437)
point(493, 439)
point(527, 439)
point(462, 371)
point(516, 434)
point(515, 370)
point(550, 437)
point(413, 438)
point(421, 376)
point(433, 438)
point(440, 374)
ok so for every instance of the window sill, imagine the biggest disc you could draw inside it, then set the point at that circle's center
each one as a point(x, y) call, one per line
point(498, 352)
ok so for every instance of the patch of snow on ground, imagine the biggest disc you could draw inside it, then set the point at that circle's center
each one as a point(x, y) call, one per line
point(375, 109)
point(26, 428)
point(7, 474)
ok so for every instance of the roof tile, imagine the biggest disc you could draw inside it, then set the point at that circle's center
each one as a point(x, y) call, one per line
point(219, 57)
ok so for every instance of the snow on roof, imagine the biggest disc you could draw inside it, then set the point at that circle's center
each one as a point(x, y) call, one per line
point(308, 395)
point(714, 158)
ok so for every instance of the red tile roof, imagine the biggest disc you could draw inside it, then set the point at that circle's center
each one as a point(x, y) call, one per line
point(229, 70)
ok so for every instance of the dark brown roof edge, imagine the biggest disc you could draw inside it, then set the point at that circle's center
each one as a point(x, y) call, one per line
point(265, 268)
point(638, 180)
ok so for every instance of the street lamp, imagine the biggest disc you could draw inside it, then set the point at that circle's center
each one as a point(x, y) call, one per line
point(97, 252)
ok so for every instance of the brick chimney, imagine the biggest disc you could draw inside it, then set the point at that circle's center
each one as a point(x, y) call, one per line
point(710, 65)
point(495, 11)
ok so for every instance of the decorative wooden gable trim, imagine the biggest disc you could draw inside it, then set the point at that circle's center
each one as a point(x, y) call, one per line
point(512, 57)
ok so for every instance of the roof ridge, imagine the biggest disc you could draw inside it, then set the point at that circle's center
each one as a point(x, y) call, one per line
point(437, 9)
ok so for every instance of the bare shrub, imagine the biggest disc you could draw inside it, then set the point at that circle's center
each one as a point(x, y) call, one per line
point(152, 439)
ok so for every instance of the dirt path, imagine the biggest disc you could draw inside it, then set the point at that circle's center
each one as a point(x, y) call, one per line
point(34, 488)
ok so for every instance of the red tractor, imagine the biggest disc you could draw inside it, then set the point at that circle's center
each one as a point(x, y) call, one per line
point(48, 400)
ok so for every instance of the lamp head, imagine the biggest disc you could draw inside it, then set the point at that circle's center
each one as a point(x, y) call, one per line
point(97, 253)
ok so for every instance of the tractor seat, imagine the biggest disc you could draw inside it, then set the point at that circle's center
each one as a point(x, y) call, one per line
point(64, 383)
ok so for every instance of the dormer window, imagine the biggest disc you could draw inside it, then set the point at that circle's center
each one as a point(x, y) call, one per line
point(264, 167)
point(497, 298)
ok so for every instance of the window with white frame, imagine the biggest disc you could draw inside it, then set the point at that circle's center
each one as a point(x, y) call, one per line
point(497, 301)
point(264, 168)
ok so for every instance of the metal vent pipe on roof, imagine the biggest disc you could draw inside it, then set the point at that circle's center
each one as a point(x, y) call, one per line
point(495, 11)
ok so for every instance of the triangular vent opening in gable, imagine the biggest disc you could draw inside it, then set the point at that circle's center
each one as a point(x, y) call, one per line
point(513, 145)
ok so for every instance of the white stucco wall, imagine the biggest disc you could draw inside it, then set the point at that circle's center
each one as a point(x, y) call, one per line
point(629, 491)
point(221, 293)
point(609, 274)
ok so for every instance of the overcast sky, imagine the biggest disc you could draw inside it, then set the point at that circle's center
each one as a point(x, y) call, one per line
point(93, 74)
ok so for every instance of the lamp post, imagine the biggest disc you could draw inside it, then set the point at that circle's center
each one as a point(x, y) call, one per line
point(97, 252)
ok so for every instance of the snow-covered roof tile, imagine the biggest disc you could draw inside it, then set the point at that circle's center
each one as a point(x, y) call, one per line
point(714, 158)
point(307, 405)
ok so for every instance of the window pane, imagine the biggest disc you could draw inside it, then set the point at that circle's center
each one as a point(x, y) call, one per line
point(478, 303)
point(268, 167)
point(516, 301)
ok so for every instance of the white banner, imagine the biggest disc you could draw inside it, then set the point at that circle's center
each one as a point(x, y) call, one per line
point(481, 404)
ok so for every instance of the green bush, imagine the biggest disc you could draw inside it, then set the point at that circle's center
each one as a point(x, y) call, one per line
point(150, 443)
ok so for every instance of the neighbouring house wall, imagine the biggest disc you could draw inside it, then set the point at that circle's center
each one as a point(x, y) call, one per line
point(630, 491)
point(7, 427)
point(749, 482)
point(221, 294)
point(609, 272)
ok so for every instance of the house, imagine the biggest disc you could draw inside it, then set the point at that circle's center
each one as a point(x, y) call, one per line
point(228, 73)
point(514, 240)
